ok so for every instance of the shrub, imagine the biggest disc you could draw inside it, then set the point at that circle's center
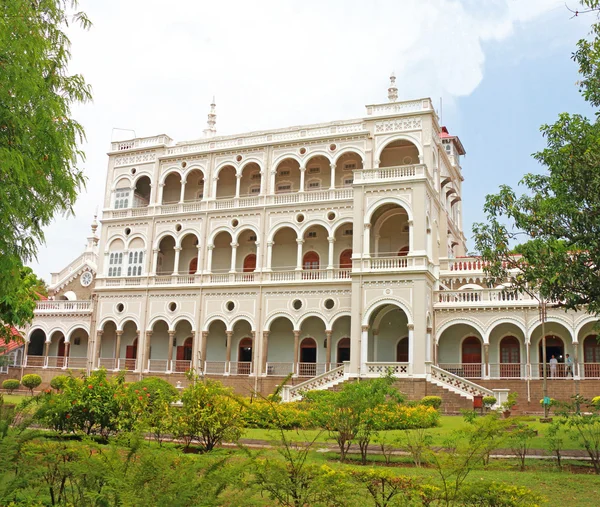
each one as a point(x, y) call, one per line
point(498, 495)
point(11, 384)
point(489, 401)
point(596, 401)
point(399, 417)
point(432, 401)
point(58, 382)
point(31, 381)
point(157, 388)
point(265, 415)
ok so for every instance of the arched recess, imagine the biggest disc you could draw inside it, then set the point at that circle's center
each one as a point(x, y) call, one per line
point(399, 152)
point(171, 192)
point(342, 247)
point(183, 344)
point(285, 248)
point(287, 176)
point(318, 173)
point(215, 353)
point(250, 183)
point(226, 182)
point(508, 351)
point(591, 356)
point(559, 342)
point(141, 192)
point(343, 350)
point(390, 231)
point(166, 256)
point(241, 347)
point(280, 350)
point(194, 186)
point(35, 348)
point(129, 344)
point(221, 253)
point(510, 357)
point(345, 165)
point(249, 263)
point(387, 324)
point(452, 351)
point(188, 255)
point(246, 248)
point(555, 349)
point(308, 357)
point(161, 347)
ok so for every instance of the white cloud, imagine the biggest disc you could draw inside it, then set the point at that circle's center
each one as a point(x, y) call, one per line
point(154, 67)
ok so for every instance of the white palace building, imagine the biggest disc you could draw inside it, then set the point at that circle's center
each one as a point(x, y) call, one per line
point(330, 251)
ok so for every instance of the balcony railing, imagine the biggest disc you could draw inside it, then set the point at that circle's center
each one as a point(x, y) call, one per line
point(465, 370)
point(74, 363)
point(393, 263)
point(63, 306)
point(389, 173)
point(482, 297)
point(141, 143)
point(233, 203)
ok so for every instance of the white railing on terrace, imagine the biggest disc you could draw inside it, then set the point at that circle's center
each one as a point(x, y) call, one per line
point(464, 370)
point(507, 370)
point(63, 306)
point(409, 106)
point(74, 266)
point(323, 381)
point(393, 263)
point(481, 297)
point(455, 383)
point(141, 142)
point(389, 173)
point(215, 367)
point(463, 264)
point(240, 368)
point(280, 369)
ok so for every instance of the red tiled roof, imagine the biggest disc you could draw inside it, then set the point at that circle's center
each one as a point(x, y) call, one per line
point(13, 344)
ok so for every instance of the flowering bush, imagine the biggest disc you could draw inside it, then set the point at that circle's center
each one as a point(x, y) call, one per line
point(58, 382)
point(399, 417)
point(432, 401)
point(265, 415)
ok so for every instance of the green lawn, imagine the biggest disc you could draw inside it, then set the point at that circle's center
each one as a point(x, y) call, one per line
point(15, 398)
point(447, 425)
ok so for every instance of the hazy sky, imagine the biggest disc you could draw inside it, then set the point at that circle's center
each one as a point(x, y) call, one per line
point(502, 68)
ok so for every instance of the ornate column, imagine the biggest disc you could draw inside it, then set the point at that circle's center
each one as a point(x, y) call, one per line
point(265, 352)
point(214, 187)
point(437, 354)
point(428, 345)
point(118, 349)
point(203, 345)
point(262, 182)
point(258, 258)
point(169, 368)
point(331, 240)
point(210, 249)
point(486, 359)
point(411, 347)
point(176, 262)
point(269, 255)
point(367, 241)
point(332, 184)
point(411, 244)
point(229, 335)
point(138, 352)
point(300, 242)
point(302, 174)
point(296, 351)
point(198, 265)
point(273, 173)
point(146, 358)
point(575, 371)
point(528, 359)
point(364, 349)
point(377, 236)
point(96, 358)
point(182, 193)
point(155, 252)
point(66, 353)
point(161, 187)
point(328, 350)
point(194, 352)
point(238, 181)
point(233, 256)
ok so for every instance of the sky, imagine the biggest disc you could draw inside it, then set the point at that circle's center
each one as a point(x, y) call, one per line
point(499, 69)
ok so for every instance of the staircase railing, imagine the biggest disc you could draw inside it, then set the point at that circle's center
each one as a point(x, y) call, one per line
point(456, 383)
point(323, 381)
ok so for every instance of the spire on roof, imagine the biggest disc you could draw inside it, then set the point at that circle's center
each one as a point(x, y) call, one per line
point(393, 90)
point(93, 239)
point(210, 130)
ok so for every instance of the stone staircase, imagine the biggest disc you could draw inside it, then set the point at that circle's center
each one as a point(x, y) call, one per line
point(457, 393)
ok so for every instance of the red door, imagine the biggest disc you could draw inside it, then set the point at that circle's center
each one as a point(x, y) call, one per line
point(471, 357)
point(403, 252)
point(184, 356)
point(346, 261)
point(131, 355)
point(60, 361)
point(591, 356)
point(250, 263)
point(510, 357)
point(310, 262)
point(402, 351)
point(193, 266)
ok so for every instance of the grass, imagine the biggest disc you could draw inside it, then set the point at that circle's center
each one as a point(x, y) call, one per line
point(15, 398)
point(439, 434)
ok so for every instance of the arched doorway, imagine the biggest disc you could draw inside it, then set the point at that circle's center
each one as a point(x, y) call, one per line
point(250, 263)
point(193, 266)
point(184, 356)
point(245, 356)
point(343, 351)
point(310, 260)
point(471, 357)
point(308, 358)
point(402, 350)
point(591, 356)
point(131, 355)
point(35, 349)
point(554, 347)
point(510, 357)
point(346, 259)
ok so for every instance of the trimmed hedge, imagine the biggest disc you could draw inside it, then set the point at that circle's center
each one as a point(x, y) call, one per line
point(11, 384)
point(432, 401)
point(31, 381)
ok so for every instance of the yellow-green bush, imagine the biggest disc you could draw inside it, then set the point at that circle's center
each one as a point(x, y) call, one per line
point(400, 417)
point(265, 415)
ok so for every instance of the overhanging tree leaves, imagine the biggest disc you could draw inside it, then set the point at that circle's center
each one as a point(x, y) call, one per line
point(39, 153)
point(557, 221)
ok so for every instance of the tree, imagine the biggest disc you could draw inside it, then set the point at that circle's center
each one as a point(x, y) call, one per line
point(31, 381)
point(39, 153)
point(558, 218)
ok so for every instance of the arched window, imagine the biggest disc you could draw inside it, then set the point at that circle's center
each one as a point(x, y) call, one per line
point(471, 357)
point(311, 260)
point(244, 356)
point(510, 357)
point(346, 259)
point(249, 263)
point(591, 356)
point(193, 266)
point(343, 351)
point(402, 351)
point(308, 358)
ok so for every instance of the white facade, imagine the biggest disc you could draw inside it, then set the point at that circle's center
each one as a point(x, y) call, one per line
point(294, 250)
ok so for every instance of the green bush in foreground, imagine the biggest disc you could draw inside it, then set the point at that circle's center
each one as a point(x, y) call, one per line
point(31, 381)
point(11, 384)
point(58, 382)
point(432, 401)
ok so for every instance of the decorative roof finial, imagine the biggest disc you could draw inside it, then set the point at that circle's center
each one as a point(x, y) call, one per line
point(393, 90)
point(95, 222)
point(211, 131)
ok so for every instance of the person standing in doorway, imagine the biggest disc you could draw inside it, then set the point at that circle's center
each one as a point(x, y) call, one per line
point(568, 366)
point(553, 365)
